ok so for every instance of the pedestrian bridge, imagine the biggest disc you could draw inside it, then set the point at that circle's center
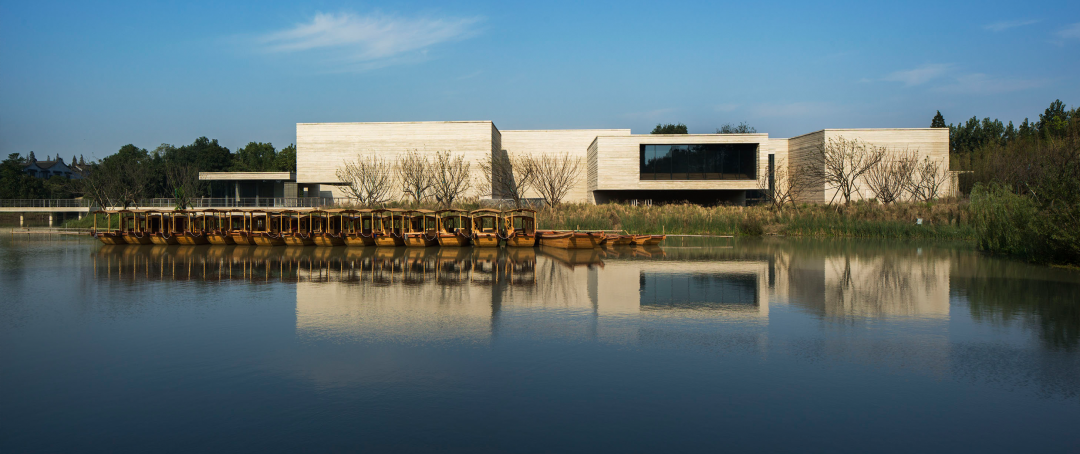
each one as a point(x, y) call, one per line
point(82, 207)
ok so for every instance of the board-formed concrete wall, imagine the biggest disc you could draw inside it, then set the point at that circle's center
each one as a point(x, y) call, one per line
point(322, 148)
point(558, 142)
point(932, 143)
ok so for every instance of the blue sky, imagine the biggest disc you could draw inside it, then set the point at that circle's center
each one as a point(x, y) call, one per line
point(80, 78)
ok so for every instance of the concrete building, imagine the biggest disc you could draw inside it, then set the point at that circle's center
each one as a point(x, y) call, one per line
point(616, 165)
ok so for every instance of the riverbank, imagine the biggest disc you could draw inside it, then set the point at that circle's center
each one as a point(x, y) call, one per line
point(944, 220)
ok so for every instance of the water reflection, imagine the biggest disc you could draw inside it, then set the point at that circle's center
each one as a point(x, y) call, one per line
point(342, 291)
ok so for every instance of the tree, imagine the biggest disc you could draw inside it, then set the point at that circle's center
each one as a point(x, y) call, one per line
point(414, 170)
point(938, 121)
point(670, 129)
point(285, 161)
point(555, 175)
point(507, 176)
point(255, 157)
point(786, 185)
point(451, 177)
point(121, 179)
point(185, 183)
point(368, 179)
point(30, 159)
point(892, 176)
point(928, 180)
point(839, 164)
point(741, 128)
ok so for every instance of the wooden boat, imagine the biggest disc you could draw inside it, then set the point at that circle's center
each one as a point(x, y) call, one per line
point(485, 227)
point(240, 228)
point(614, 239)
point(388, 227)
point(160, 226)
point(421, 228)
point(360, 231)
point(189, 227)
point(266, 229)
point(521, 228)
point(570, 240)
point(296, 229)
point(326, 227)
point(217, 230)
point(647, 240)
point(107, 236)
point(133, 226)
point(454, 228)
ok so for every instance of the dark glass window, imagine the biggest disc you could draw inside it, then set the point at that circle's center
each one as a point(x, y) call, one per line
point(729, 161)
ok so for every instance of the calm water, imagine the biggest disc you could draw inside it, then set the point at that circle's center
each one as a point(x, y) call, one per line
point(796, 346)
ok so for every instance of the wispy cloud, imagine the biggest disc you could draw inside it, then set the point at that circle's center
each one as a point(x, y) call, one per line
point(347, 38)
point(1070, 32)
point(920, 75)
point(983, 84)
point(726, 107)
point(1005, 25)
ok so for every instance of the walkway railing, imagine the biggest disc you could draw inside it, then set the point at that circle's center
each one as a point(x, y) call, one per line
point(247, 202)
point(44, 203)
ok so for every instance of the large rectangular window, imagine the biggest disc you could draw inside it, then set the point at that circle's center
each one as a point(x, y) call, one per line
point(714, 161)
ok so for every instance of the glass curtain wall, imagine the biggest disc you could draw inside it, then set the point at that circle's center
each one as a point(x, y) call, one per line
point(727, 161)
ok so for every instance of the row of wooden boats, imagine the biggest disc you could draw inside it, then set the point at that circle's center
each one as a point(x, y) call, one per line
point(348, 227)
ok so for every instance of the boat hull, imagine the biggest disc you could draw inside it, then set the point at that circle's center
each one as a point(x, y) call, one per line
point(158, 238)
point(648, 240)
point(570, 240)
point(132, 239)
point(297, 240)
point(327, 240)
point(359, 241)
point(263, 240)
point(242, 239)
point(389, 241)
point(519, 240)
point(453, 240)
point(419, 240)
point(485, 240)
point(109, 238)
point(217, 238)
point(191, 240)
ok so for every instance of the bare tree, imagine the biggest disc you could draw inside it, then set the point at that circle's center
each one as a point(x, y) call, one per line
point(839, 164)
point(417, 179)
point(787, 184)
point(368, 179)
point(928, 180)
point(891, 178)
point(508, 176)
point(451, 177)
point(554, 175)
point(185, 183)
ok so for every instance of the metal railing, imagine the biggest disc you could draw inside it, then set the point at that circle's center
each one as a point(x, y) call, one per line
point(44, 203)
point(247, 202)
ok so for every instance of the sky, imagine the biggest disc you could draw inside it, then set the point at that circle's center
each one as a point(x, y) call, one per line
point(85, 78)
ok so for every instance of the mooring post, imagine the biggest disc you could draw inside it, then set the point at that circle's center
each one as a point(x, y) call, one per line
point(50, 220)
point(20, 220)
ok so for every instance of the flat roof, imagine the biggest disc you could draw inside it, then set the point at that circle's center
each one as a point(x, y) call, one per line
point(247, 176)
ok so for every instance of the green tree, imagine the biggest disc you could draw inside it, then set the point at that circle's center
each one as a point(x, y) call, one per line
point(255, 157)
point(670, 129)
point(938, 121)
point(741, 128)
point(285, 161)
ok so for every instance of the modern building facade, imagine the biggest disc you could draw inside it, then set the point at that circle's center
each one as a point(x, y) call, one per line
point(616, 165)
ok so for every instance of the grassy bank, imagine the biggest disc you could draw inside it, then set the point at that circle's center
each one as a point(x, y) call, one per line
point(943, 220)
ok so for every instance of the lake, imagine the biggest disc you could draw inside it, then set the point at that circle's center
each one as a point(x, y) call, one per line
point(703, 345)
